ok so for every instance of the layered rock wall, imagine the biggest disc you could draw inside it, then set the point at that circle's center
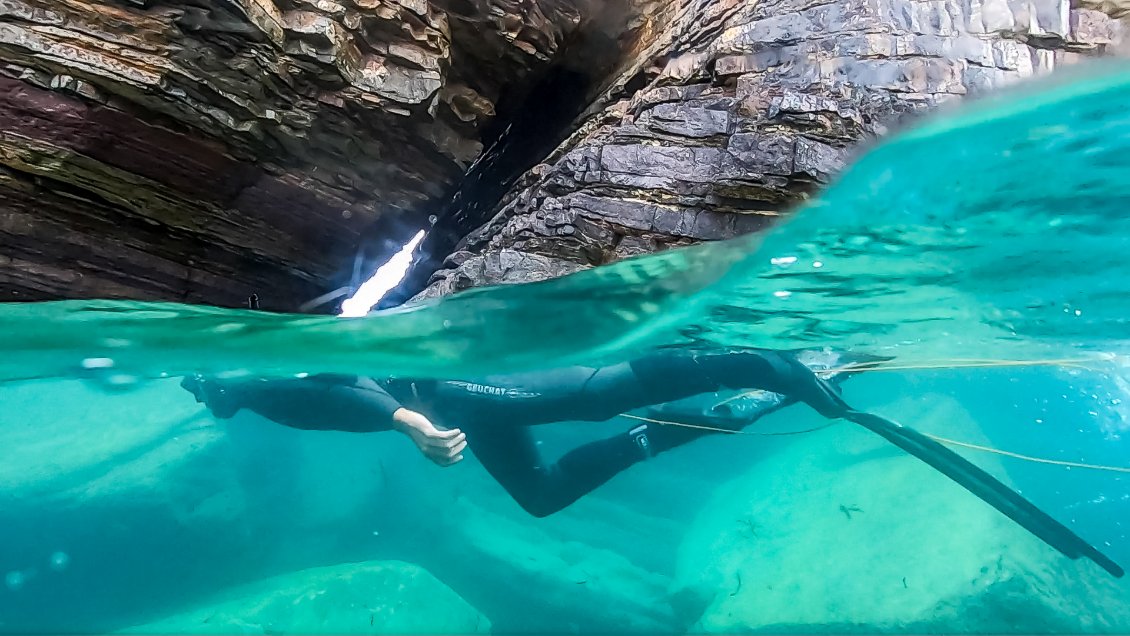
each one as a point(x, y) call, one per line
point(735, 111)
point(204, 152)
point(165, 149)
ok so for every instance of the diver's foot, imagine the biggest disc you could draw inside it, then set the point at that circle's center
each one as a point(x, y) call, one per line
point(211, 394)
point(794, 379)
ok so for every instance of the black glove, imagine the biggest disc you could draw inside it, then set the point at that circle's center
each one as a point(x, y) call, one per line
point(212, 394)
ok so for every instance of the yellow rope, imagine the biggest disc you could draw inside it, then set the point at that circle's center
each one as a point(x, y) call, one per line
point(943, 440)
point(721, 430)
point(954, 363)
point(962, 363)
point(1027, 458)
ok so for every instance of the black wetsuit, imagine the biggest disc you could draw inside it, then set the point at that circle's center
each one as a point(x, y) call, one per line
point(496, 412)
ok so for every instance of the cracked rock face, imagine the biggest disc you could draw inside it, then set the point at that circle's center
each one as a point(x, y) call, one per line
point(207, 151)
point(204, 151)
point(734, 111)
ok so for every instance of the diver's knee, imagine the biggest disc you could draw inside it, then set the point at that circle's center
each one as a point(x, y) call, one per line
point(539, 507)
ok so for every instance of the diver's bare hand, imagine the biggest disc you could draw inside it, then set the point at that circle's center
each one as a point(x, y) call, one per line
point(443, 447)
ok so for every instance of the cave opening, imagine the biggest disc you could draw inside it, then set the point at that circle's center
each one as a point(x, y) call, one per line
point(532, 121)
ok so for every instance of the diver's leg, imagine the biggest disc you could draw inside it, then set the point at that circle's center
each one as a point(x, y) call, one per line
point(556, 395)
point(676, 373)
point(603, 393)
point(588, 394)
point(510, 455)
point(667, 373)
point(496, 425)
point(663, 432)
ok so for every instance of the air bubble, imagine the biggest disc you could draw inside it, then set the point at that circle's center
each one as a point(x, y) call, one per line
point(97, 363)
point(101, 373)
point(121, 381)
point(14, 579)
point(59, 561)
point(228, 327)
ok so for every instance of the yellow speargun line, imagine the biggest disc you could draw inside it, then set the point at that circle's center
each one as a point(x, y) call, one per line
point(953, 363)
point(967, 363)
point(942, 440)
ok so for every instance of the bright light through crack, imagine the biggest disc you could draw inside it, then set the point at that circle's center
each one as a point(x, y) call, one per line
point(386, 277)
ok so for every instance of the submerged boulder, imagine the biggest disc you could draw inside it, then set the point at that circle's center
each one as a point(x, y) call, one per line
point(565, 568)
point(78, 444)
point(376, 597)
point(842, 531)
point(146, 494)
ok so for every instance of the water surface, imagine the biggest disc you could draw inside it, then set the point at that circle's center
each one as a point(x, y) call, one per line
point(984, 250)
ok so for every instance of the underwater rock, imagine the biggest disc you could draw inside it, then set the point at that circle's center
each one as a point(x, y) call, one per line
point(145, 495)
point(376, 597)
point(574, 572)
point(103, 446)
point(729, 113)
point(842, 532)
point(563, 570)
point(154, 501)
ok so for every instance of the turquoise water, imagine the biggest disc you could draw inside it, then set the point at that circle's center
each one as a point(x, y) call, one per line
point(992, 234)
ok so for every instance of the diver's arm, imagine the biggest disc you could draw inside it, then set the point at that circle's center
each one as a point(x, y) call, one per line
point(329, 403)
point(318, 403)
point(443, 447)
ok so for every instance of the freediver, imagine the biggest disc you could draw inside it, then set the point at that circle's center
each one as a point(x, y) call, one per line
point(494, 415)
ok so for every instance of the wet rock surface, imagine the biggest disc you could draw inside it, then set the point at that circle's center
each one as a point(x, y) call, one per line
point(733, 112)
point(164, 149)
point(172, 150)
